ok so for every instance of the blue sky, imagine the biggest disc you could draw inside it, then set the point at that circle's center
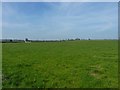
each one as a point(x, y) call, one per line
point(60, 20)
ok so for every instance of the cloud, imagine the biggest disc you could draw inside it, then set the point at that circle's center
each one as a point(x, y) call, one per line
point(15, 25)
point(60, 20)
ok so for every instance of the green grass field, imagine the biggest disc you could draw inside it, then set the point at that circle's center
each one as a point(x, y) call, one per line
point(69, 64)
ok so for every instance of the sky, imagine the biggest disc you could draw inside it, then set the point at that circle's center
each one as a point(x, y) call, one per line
point(59, 20)
point(60, 0)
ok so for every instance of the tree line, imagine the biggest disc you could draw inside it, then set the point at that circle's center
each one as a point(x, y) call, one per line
point(28, 40)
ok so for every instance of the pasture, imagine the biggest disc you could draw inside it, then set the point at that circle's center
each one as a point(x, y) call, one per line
point(69, 64)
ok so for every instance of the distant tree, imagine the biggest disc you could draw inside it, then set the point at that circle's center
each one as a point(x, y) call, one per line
point(77, 39)
point(71, 39)
point(89, 39)
point(11, 40)
point(26, 39)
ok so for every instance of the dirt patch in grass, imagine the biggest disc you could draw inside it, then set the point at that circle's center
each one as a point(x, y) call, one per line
point(96, 71)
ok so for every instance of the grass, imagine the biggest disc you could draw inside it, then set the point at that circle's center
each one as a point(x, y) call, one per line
point(70, 64)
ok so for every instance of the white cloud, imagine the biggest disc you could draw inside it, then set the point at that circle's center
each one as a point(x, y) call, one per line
point(15, 25)
point(60, 26)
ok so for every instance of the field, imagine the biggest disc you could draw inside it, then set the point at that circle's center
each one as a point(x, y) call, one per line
point(69, 64)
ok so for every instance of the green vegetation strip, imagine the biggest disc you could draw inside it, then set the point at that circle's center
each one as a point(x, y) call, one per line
point(69, 64)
